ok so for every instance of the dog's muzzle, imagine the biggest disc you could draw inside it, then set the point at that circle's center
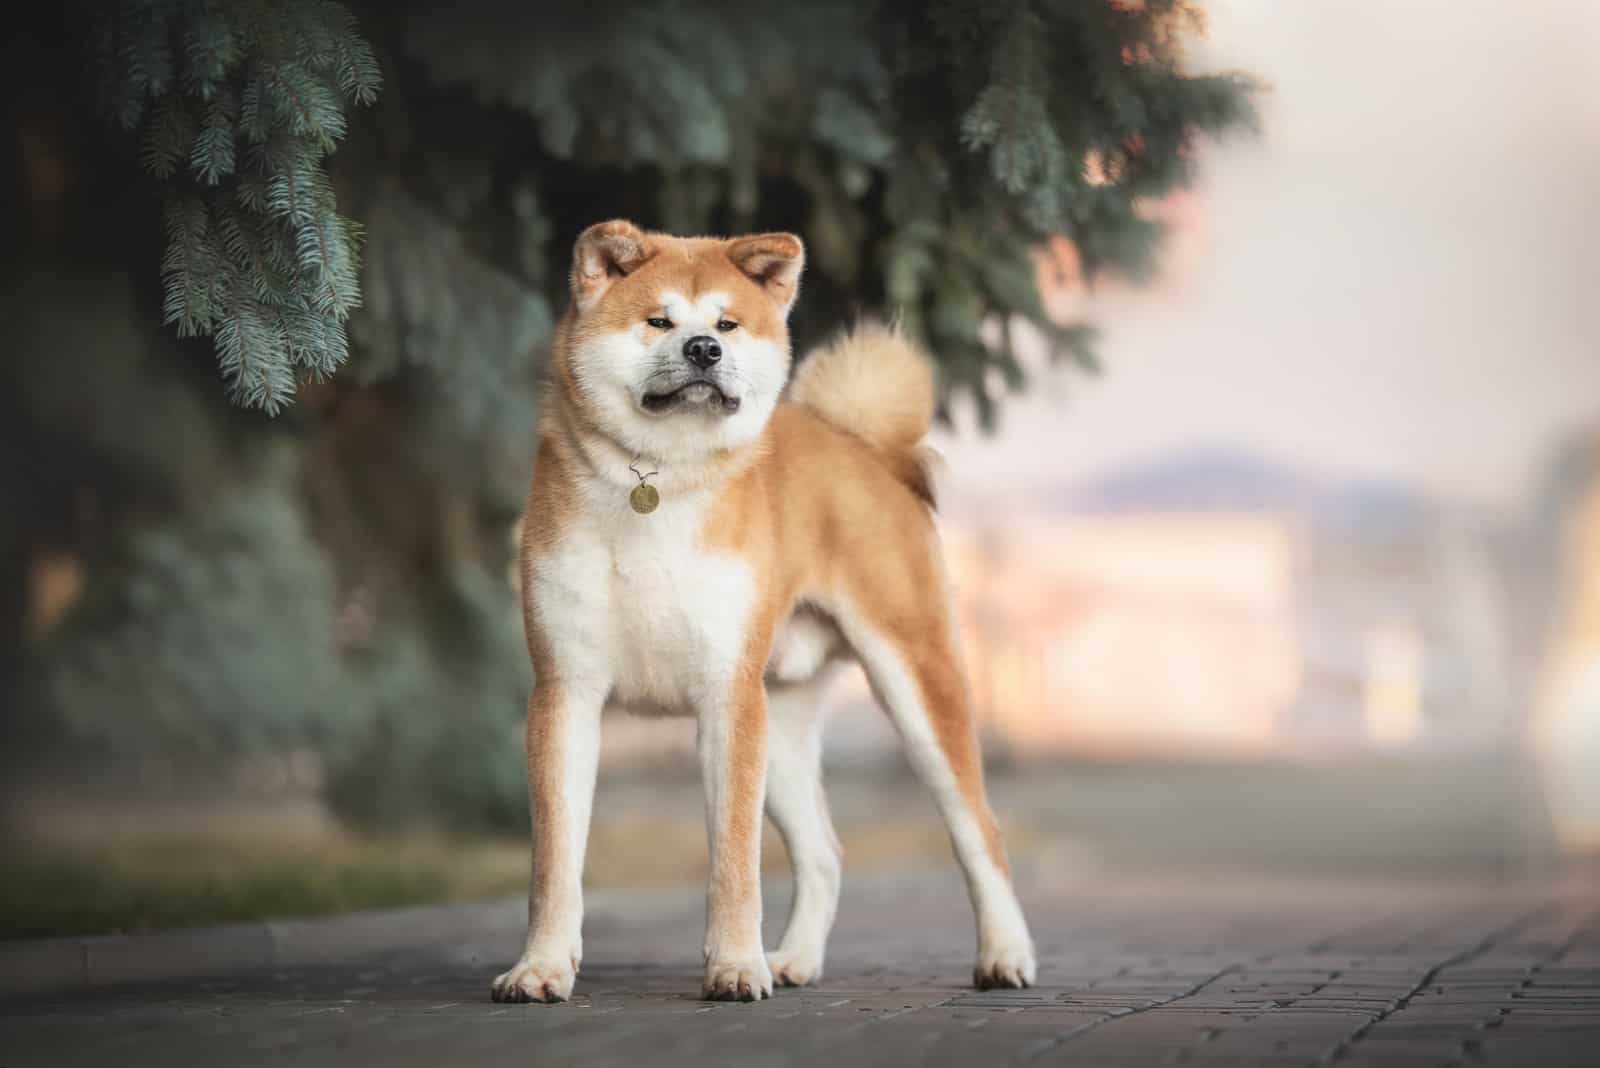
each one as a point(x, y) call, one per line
point(696, 392)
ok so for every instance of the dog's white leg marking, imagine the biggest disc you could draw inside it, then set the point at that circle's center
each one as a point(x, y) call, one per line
point(945, 756)
point(733, 762)
point(799, 810)
point(563, 756)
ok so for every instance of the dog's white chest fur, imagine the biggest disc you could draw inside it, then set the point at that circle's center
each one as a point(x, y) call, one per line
point(637, 600)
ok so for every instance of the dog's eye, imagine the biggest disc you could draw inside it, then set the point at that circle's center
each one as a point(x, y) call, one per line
point(725, 325)
point(659, 323)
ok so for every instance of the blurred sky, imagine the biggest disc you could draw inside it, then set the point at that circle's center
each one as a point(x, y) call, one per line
point(1400, 279)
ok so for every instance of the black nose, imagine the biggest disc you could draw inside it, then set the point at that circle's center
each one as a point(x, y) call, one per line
point(702, 351)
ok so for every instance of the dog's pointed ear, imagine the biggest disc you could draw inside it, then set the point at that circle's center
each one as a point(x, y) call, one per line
point(604, 253)
point(773, 261)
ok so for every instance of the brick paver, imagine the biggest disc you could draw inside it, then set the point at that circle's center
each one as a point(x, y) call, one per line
point(1273, 973)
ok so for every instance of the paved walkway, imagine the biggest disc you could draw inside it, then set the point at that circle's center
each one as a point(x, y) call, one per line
point(1131, 973)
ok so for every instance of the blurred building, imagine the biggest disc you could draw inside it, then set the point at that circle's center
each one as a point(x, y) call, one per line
point(1112, 634)
point(1564, 722)
point(1211, 604)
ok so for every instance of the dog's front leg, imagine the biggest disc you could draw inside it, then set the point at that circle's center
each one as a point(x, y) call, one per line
point(733, 761)
point(563, 755)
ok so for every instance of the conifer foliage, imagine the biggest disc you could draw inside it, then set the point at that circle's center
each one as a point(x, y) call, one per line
point(237, 104)
point(937, 143)
point(340, 578)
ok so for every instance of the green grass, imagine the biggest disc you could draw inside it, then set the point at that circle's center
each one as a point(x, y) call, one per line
point(185, 881)
point(75, 867)
point(106, 879)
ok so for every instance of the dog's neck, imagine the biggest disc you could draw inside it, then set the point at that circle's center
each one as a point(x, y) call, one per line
point(606, 462)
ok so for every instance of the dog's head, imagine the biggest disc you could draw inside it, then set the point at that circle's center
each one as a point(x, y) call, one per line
point(677, 348)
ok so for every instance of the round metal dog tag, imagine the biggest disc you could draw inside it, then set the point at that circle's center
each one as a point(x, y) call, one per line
point(644, 498)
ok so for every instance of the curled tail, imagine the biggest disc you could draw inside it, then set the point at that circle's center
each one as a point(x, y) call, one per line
point(878, 385)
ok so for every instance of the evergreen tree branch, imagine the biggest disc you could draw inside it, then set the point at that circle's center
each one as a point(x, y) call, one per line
point(271, 277)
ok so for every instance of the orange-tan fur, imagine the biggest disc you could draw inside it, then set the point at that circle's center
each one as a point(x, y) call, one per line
point(809, 513)
point(823, 509)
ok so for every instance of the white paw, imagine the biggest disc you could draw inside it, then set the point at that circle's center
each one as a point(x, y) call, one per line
point(795, 967)
point(537, 979)
point(1008, 964)
point(737, 979)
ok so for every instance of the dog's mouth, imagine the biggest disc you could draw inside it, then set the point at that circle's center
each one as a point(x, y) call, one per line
point(700, 393)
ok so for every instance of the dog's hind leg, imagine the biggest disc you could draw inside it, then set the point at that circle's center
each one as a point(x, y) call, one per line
point(798, 808)
point(910, 657)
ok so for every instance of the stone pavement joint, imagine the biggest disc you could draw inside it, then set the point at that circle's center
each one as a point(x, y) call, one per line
point(1400, 1003)
point(1039, 1049)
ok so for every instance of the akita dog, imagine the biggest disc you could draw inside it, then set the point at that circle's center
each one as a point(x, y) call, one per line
point(705, 537)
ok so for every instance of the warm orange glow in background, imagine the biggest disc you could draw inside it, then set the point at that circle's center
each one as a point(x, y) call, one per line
point(1116, 636)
